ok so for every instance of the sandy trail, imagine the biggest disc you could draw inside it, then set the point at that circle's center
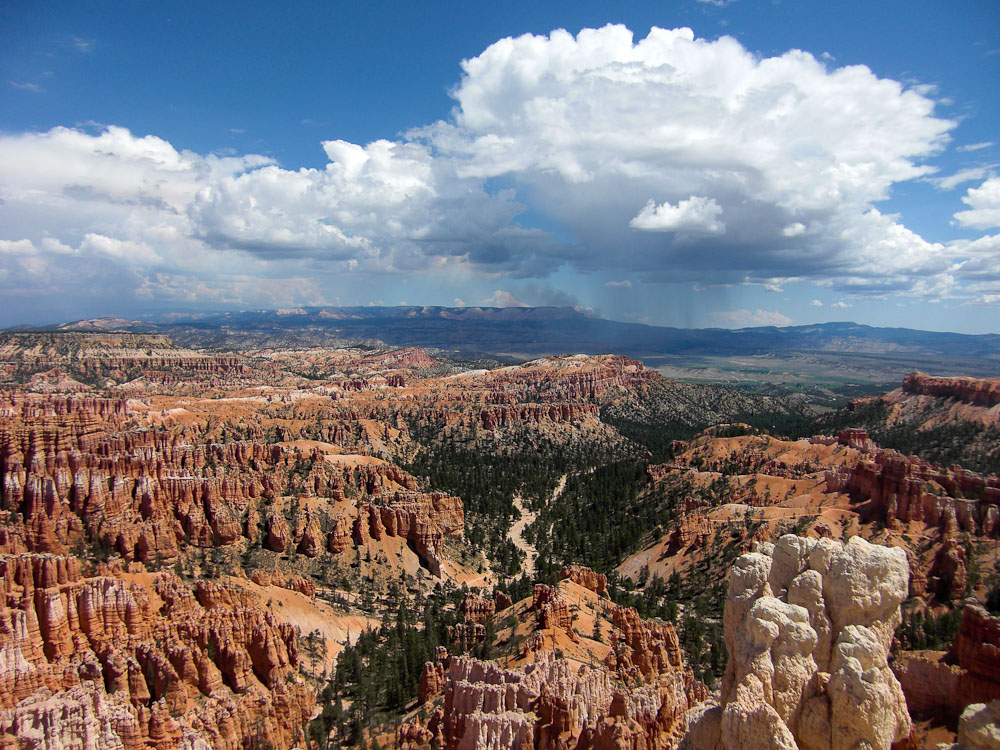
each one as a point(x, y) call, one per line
point(528, 517)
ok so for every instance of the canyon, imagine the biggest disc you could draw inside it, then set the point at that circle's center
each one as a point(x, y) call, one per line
point(190, 540)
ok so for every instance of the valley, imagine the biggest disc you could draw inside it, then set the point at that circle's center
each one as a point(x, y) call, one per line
point(352, 543)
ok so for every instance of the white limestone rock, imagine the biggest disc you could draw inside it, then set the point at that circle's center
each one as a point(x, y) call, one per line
point(867, 705)
point(978, 727)
point(808, 629)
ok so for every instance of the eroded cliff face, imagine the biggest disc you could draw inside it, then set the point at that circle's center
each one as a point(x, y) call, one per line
point(552, 703)
point(832, 486)
point(983, 392)
point(957, 417)
point(140, 660)
point(808, 627)
point(979, 727)
point(944, 684)
point(561, 689)
point(905, 488)
point(120, 653)
point(54, 361)
point(567, 379)
point(246, 458)
point(584, 576)
point(74, 472)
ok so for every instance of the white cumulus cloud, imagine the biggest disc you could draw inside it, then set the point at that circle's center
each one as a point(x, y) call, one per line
point(592, 125)
point(696, 214)
point(984, 205)
point(502, 298)
point(735, 167)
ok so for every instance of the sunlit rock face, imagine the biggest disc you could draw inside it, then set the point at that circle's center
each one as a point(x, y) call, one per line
point(74, 468)
point(808, 626)
point(632, 692)
point(122, 660)
point(979, 727)
point(984, 392)
point(552, 703)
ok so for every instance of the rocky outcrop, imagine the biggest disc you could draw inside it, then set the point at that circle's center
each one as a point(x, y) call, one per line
point(117, 357)
point(977, 645)
point(74, 473)
point(466, 634)
point(969, 390)
point(291, 581)
point(905, 488)
point(644, 650)
point(340, 536)
point(501, 417)
point(550, 704)
point(979, 727)
point(808, 625)
point(432, 678)
point(475, 608)
point(948, 575)
point(422, 518)
point(133, 665)
point(551, 609)
point(936, 687)
point(584, 576)
point(567, 378)
point(408, 358)
point(637, 698)
point(309, 535)
point(277, 535)
point(855, 438)
point(693, 530)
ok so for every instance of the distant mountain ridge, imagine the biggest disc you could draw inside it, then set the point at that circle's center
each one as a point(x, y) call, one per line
point(545, 330)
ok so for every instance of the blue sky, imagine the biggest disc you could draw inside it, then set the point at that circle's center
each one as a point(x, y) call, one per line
point(690, 163)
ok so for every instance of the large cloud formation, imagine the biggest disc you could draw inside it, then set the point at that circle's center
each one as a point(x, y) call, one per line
point(668, 159)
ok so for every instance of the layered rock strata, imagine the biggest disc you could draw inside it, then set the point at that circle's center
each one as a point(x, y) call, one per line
point(550, 703)
point(637, 697)
point(119, 663)
point(984, 392)
point(422, 518)
point(584, 576)
point(73, 473)
point(977, 645)
point(905, 488)
point(475, 608)
point(552, 610)
point(943, 685)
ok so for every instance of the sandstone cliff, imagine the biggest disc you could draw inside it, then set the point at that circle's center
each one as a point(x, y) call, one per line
point(969, 390)
point(944, 684)
point(979, 727)
point(584, 576)
point(73, 473)
point(550, 703)
point(140, 661)
point(631, 692)
point(905, 488)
